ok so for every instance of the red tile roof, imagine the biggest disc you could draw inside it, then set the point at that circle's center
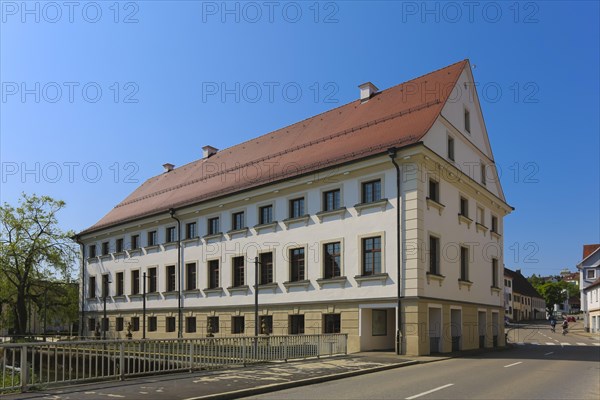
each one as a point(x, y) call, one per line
point(589, 249)
point(398, 116)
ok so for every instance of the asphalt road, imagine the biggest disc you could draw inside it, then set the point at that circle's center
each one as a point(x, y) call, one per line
point(543, 365)
point(558, 367)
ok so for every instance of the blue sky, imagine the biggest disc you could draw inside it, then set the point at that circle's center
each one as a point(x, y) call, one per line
point(96, 96)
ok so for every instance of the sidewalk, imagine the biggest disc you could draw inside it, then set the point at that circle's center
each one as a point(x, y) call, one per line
point(230, 383)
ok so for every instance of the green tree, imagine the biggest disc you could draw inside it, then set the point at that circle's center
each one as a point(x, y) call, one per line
point(553, 293)
point(32, 249)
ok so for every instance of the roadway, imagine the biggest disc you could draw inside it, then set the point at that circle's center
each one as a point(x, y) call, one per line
point(544, 365)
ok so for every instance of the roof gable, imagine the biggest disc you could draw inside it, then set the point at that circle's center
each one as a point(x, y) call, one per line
point(398, 116)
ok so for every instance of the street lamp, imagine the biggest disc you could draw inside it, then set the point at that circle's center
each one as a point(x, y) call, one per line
point(256, 264)
point(105, 284)
point(144, 306)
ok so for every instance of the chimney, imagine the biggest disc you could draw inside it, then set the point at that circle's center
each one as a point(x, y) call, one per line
point(518, 271)
point(367, 90)
point(208, 151)
point(168, 167)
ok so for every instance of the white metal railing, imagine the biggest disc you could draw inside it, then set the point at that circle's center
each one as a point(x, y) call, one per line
point(28, 365)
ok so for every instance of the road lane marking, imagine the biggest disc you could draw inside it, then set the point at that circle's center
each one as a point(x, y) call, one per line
point(547, 354)
point(513, 364)
point(596, 344)
point(429, 391)
point(565, 344)
point(550, 344)
point(581, 344)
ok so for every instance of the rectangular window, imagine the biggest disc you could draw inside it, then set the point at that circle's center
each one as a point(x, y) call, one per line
point(464, 207)
point(434, 190)
point(212, 324)
point(371, 191)
point(467, 121)
point(119, 245)
point(152, 238)
point(92, 250)
point(379, 322)
point(371, 255)
point(170, 234)
point(135, 324)
point(120, 283)
point(237, 221)
point(213, 226)
point(238, 271)
point(297, 265)
point(190, 276)
point(483, 174)
point(266, 268)
point(213, 274)
point(92, 287)
point(135, 242)
point(332, 260)
point(190, 230)
point(591, 274)
point(170, 278)
point(332, 323)
point(331, 200)
point(170, 324)
point(105, 248)
point(152, 282)
point(494, 272)
point(480, 216)
point(296, 324)
point(237, 324)
point(434, 255)
point(190, 324)
point(494, 224)
point(464, 263)
point(135, 282)
point(265, 214)
point(152, 324)
point(119, 324)
point(451, 148)
point(105, 288)
point(297, 207)
point(266, 324)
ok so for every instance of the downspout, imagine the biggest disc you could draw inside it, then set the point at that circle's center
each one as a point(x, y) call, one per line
point(82, 323)
point(180, 298)
point(392, 153)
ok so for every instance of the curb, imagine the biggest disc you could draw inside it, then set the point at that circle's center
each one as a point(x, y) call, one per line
point(302, 382)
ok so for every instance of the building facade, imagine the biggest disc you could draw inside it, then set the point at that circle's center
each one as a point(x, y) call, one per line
point(381, 219)
point(527, 303)
point(589, 268)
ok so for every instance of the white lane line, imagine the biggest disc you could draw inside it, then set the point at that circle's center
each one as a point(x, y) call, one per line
point(596, 344)
point(550, 352)
point(429, 391)
point(513, 364)
point(565, 344)
point(550, 344)
point(581, 344)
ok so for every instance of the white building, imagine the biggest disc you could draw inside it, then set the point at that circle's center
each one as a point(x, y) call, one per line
point(589, 268)
point(508, 296)
point(405, 257)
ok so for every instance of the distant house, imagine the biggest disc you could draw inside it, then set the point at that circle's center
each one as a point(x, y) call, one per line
point(589, 267)
point(508, 296)
point(527, 303)
point(592, 295)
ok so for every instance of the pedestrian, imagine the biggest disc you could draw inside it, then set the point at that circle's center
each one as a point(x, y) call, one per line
point(552, 324)
point(565, 326)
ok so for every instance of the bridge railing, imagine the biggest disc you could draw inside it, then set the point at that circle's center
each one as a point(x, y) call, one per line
point(25, 366)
